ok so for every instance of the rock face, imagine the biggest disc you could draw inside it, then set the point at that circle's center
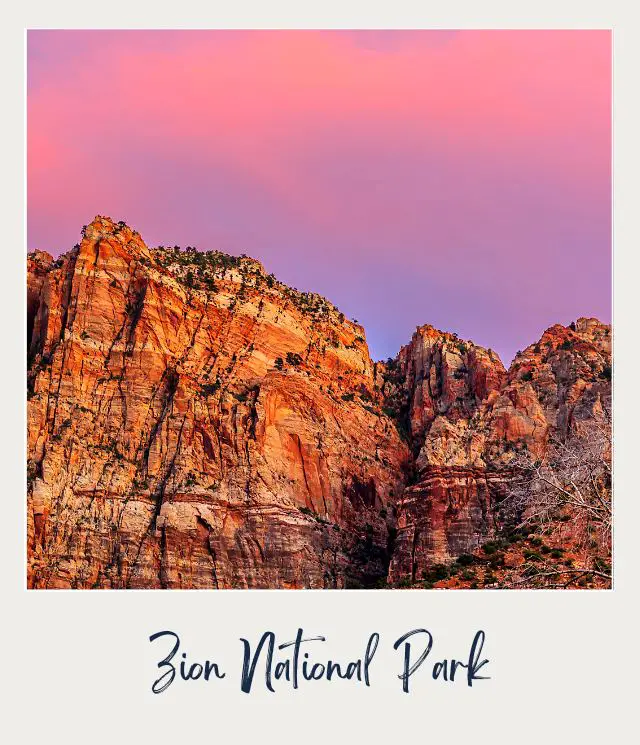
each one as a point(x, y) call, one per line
point(38, 265)
point(194, 423)
point(467, 417)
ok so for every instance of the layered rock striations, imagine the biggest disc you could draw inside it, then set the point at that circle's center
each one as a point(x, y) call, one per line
point(467, 418)
point(194, 423)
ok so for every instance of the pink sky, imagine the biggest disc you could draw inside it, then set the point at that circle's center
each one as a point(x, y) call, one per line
point(460, 179)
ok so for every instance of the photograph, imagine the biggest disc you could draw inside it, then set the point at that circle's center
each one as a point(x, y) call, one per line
point(319, 309)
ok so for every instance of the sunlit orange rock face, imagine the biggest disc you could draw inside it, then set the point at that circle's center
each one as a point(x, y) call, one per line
point(229, 436)
point(194, 423)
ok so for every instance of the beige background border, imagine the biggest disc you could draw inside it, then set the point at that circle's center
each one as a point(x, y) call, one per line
point(563, 664)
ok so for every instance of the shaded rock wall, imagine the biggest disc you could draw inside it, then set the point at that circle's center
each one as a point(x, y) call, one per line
point(468, 417)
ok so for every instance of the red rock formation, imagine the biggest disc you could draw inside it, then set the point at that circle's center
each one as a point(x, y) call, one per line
point(192, 422)
point(38, 264)
point(468, 417)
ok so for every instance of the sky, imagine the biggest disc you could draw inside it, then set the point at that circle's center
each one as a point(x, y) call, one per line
point(457, 178)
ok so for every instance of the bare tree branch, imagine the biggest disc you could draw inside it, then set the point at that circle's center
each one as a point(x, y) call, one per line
point(569, 487)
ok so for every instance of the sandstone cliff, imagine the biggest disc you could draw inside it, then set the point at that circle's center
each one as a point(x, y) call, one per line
point(194, 423)
point(469, 418)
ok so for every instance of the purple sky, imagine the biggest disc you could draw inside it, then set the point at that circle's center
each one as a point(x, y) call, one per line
point(460, 179)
